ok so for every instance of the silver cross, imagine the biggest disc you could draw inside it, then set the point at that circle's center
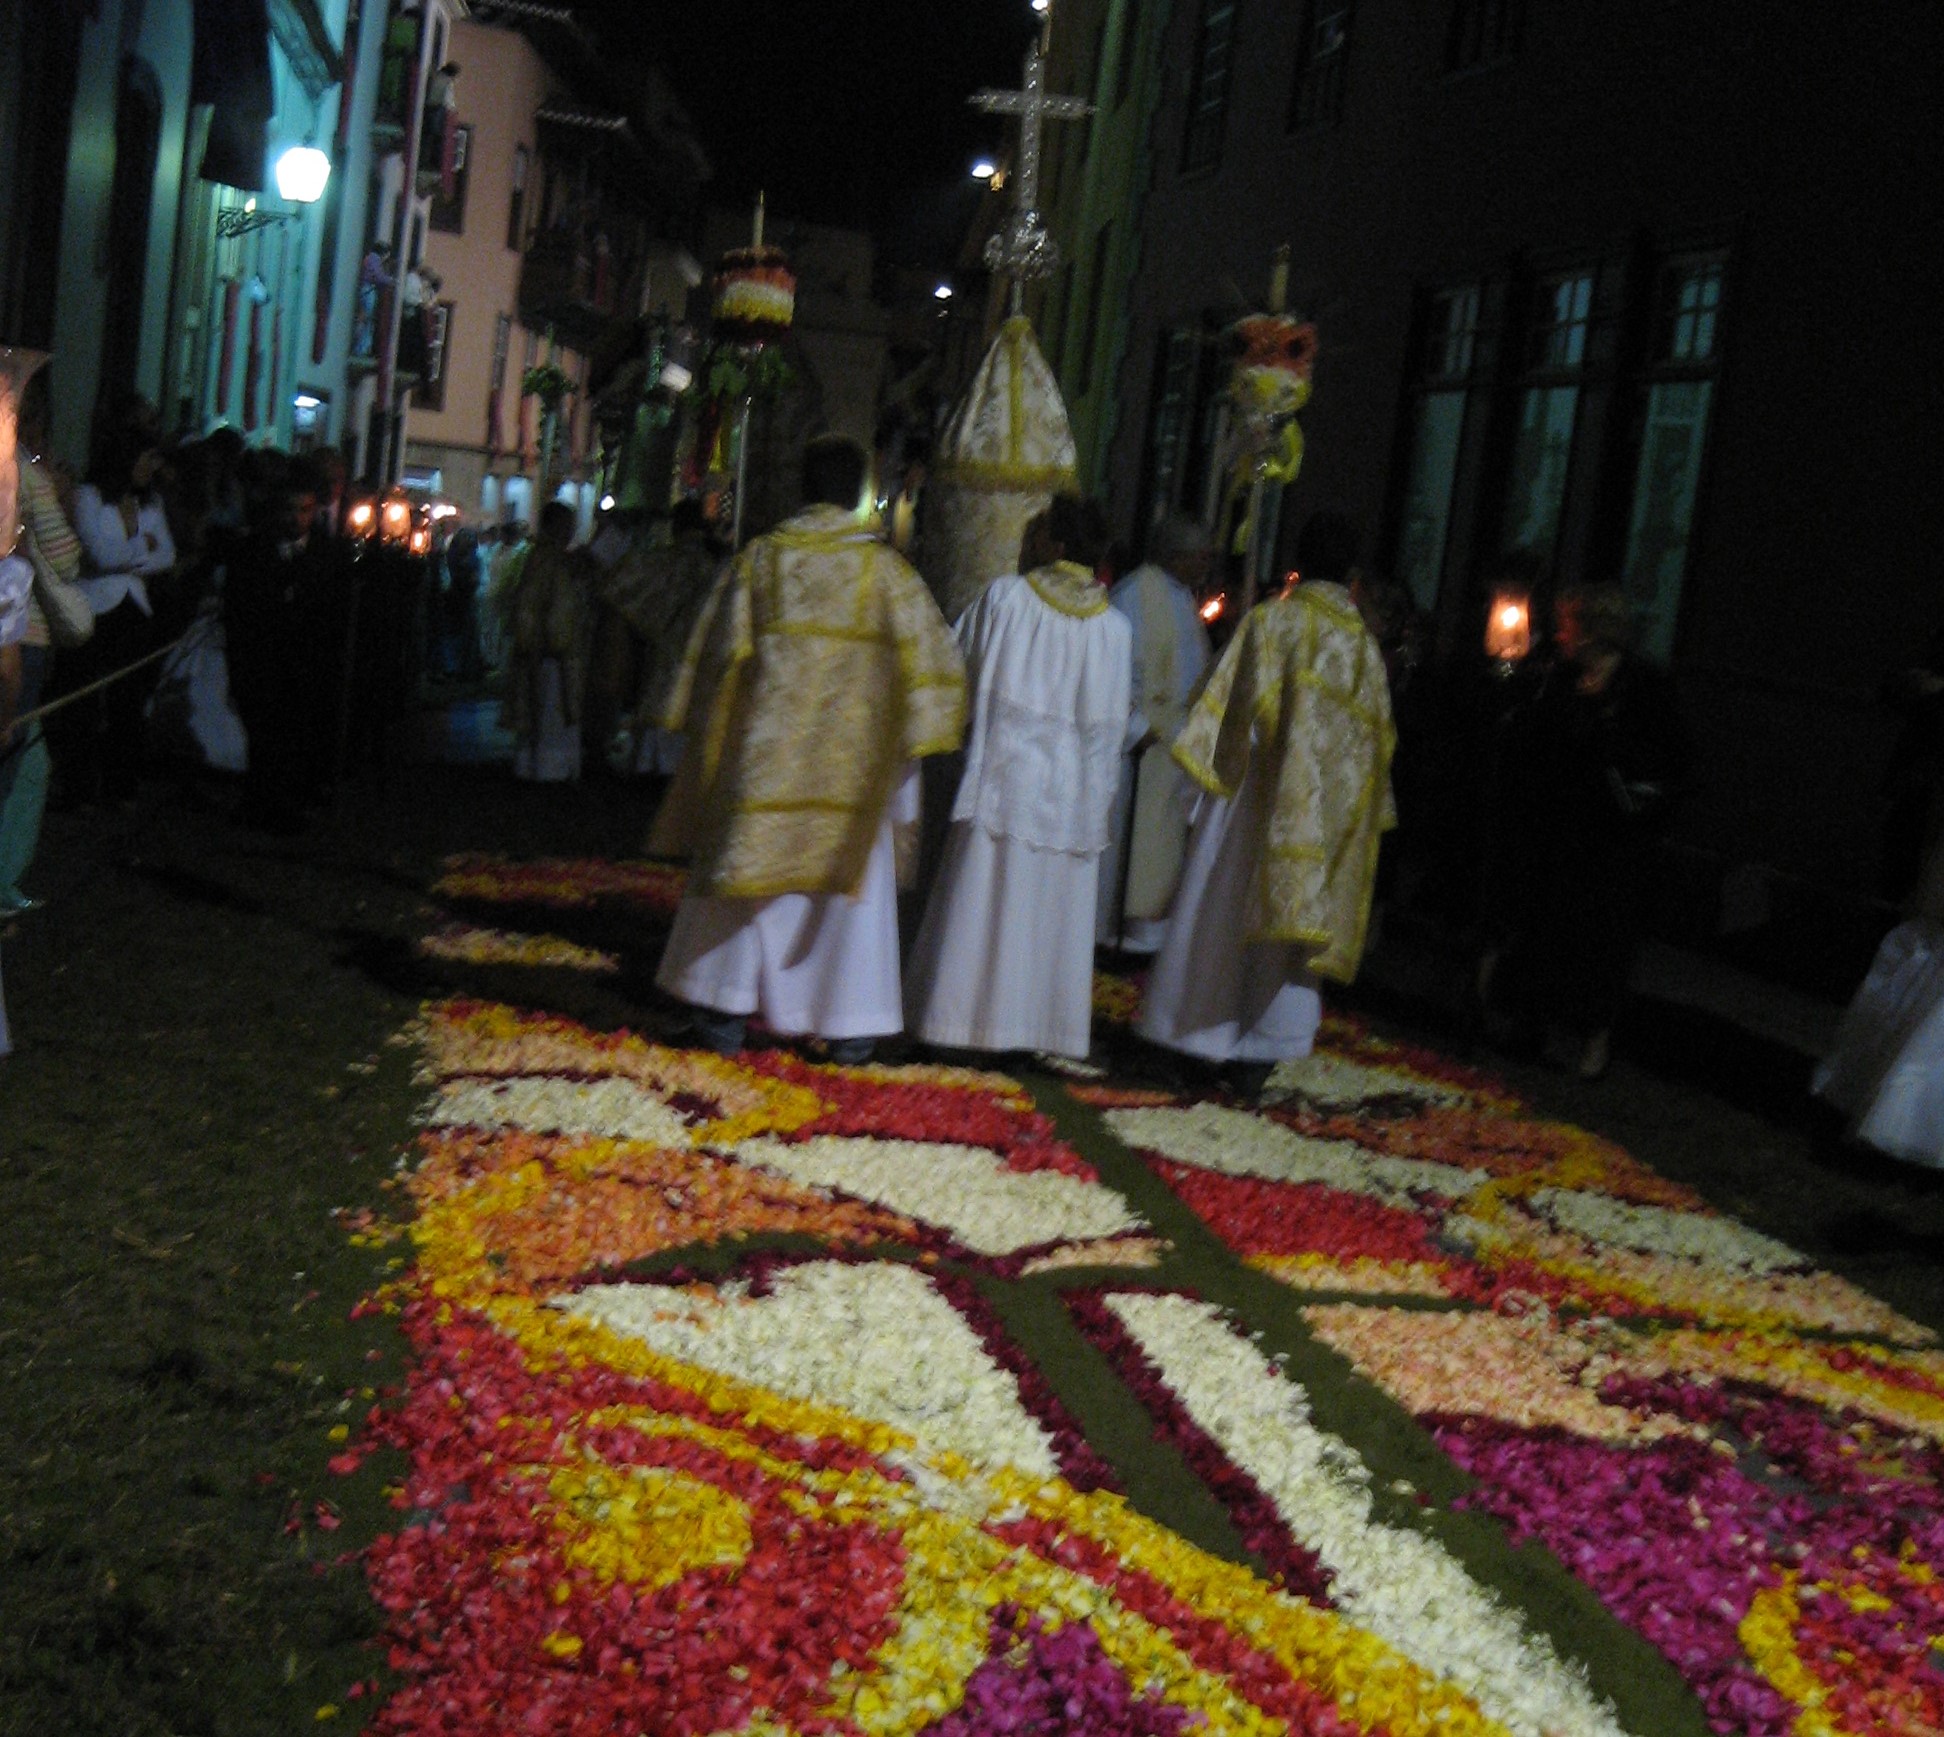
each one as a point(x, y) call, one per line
point(1024, 248)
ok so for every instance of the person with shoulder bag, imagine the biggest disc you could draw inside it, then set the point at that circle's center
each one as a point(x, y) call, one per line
point(57, 616)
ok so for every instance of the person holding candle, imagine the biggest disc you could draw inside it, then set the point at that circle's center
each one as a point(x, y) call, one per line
point(1592, 769)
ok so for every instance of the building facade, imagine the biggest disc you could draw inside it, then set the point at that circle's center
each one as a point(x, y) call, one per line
point(1095, 173)
point(143, 239)
point(1632, 287)
point(556, 232)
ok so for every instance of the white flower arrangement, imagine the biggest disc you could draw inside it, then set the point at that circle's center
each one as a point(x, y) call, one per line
point(1695, 1236)
point(874, 1339)
point(1237, 1143)
point(1398, 1584)
point(1334, 1079)
point(966, 1190)
point(539, 1104)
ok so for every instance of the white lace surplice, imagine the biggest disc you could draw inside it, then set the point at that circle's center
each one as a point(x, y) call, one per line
point(1004, 959)
point(1049, 709)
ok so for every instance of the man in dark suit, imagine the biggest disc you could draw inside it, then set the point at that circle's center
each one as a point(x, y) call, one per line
point(282, 602)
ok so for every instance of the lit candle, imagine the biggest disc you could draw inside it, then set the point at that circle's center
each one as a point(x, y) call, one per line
point(1508, 627)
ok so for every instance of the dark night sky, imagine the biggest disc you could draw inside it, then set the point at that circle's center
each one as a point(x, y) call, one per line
point(850, 112)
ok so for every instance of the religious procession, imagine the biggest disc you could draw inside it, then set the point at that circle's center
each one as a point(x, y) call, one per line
point(1012, 871)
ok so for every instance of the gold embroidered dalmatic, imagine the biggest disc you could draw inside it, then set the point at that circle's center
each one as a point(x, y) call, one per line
point(1302, 687)
point(818, 667)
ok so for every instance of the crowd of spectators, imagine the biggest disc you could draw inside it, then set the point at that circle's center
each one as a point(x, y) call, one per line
point(234, 623)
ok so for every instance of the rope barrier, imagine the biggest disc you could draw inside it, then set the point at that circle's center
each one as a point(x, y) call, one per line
point(95, 687)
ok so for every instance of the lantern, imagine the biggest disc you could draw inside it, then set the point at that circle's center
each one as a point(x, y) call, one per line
point(1508, 627)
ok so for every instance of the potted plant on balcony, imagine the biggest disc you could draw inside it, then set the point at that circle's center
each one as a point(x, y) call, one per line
point(549, 383)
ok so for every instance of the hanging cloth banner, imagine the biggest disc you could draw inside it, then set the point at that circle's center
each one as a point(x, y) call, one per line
point(226, 360)
point(253, 367)
point(230, 70)
point(276, 358)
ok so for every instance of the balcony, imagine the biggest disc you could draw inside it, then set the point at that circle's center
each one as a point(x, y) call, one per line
point(572, 281)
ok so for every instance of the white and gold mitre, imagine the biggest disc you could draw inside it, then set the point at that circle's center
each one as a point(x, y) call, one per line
point(1006, 451)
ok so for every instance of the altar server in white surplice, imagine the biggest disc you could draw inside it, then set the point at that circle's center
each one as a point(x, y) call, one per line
point(1170, 657)
point(1004, 958)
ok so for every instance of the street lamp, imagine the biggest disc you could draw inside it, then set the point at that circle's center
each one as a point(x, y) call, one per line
point(984, 169)
point(943, 293)
point(301, 173)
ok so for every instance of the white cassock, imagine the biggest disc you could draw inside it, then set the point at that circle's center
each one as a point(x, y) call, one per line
point(1170, 658)
point(812, 964)
point(552, 755)
point(1004, 958)
point(1213, 992)
point(1887, 1070)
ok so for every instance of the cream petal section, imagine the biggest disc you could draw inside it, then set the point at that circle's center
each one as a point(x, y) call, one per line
point(616, 1108)
point(962, 1189)
point(875, 1339)
point(1400, 1585)
point(1236, 1143)
point(1694, 1236)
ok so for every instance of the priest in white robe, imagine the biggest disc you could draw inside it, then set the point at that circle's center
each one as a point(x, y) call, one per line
point(1004, 957)
point(1161, 601)
point(818, 673)
point(1291, 743)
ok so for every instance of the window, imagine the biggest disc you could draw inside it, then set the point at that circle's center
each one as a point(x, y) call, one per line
point(496, 393)
point(1185, 425)
point(1678, 398)
point(1542, 448)
point(1208, 89)
point(516, 213)
point(1320, 54)
point(1130, 35)
point(1482, 31)
point(449, 215)
point(429, 394)
point(1449, 356)
point(1170, 419)
point(1096, 294)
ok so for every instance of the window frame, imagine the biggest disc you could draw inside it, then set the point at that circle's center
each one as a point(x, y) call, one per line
point(430, 392)
point(1437, 372)
point(1543, 371)
point(1316, 89)
point(1661, 365)
point(448, 216)
point(1205, 126)
point(516, 209)
point(1482, 33)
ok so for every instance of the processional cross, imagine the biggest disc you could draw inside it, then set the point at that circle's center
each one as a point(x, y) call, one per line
point(1024, 249)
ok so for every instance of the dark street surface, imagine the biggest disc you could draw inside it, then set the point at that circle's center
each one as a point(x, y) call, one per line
point(205, 1075)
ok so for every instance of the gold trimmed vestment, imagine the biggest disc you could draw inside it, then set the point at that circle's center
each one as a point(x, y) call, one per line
point(1303, 685)
point(818, 668)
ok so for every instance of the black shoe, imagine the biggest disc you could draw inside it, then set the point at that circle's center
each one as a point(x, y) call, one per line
point(1246, 1079)
point(851, 1052)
